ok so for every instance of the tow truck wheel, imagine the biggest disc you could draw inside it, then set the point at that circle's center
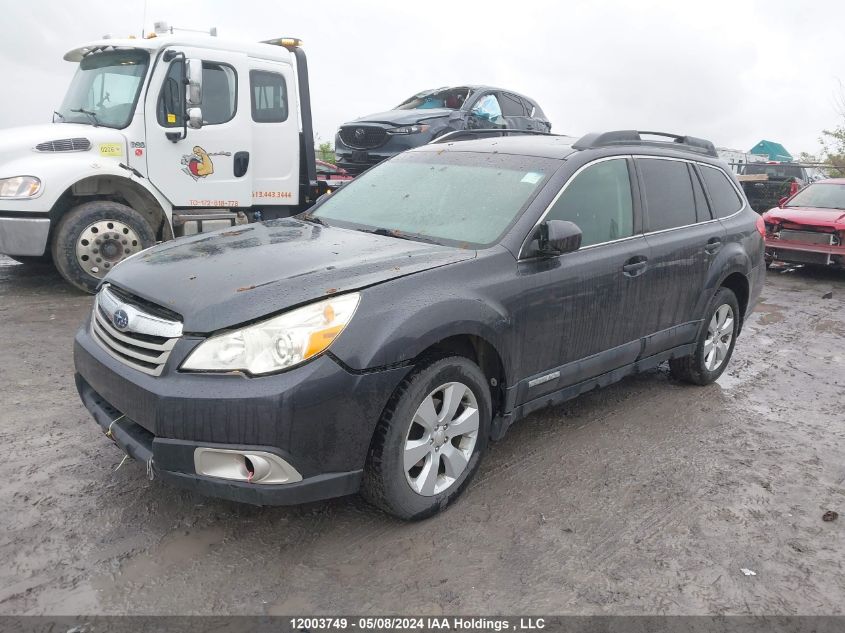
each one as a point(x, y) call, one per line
point(94, 237)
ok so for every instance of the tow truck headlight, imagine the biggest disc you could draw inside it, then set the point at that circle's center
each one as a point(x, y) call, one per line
point(408, 129)
point(278, 343)
point(19, 187)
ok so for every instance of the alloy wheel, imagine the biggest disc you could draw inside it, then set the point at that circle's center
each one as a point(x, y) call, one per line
point(441, 439)
point(105, 243)
point(720, 333)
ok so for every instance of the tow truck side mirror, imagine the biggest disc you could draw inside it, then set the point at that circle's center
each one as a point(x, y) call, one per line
point(193, 93)
point(193, 79)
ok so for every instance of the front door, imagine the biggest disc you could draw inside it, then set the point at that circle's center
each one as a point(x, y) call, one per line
point(210, 166)
point(581, 313)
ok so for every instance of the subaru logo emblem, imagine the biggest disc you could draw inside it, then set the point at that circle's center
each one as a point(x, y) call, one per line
point(359, 134)
point(120, 319)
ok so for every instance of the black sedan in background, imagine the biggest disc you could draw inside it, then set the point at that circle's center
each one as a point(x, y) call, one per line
point(427, 115)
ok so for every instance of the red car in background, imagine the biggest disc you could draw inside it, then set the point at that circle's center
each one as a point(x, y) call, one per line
point(332, 174)
point(808, 227)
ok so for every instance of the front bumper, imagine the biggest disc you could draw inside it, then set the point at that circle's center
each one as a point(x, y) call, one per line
point(804, 253)
point(23, 235)
point(356, 161)
point(319, 418)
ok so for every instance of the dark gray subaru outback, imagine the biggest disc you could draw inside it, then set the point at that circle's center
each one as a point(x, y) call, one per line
point(380, 341)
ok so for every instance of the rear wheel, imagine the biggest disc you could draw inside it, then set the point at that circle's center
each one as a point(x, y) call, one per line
point(430, 440)
point(94, 237)
point(715, 343)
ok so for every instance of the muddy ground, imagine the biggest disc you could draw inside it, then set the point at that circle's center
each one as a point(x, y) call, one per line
point(647, 497)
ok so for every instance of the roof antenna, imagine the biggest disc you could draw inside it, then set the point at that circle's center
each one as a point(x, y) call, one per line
point(144, 19)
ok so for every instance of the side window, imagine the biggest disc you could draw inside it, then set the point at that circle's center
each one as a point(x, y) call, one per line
point(598, 200)
point(269, 97)
point(511, 105)
point(726, 200)
point(488, 108)
point(219, 95)
point(668, 193)
point(171, 108)
point(701, 208)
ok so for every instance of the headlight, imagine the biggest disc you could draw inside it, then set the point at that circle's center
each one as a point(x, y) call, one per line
point(19, 187)
point(278, 343)
point(408, 129)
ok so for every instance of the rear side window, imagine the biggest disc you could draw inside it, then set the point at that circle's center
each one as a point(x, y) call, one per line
point(511, 105)
point(668, 193)
point(723, 195)
point(598, 200)
point(269, 97)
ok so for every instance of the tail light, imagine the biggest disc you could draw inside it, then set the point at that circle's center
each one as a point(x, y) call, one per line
point(761, 225)
point(793, 188)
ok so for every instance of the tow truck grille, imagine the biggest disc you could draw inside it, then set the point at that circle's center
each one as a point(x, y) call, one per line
point(144, 342)
point(363, 136)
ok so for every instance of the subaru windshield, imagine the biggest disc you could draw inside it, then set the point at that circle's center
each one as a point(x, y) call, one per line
point(105, 88)
point(463, 199)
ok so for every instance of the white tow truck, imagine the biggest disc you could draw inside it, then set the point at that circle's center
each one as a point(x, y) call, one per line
point(157, 138)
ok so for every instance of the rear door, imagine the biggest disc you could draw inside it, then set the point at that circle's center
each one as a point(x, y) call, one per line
point(200, 170)
point(684, 239)
point(275, 128)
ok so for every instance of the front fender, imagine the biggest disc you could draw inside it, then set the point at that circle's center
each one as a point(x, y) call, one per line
point(396, 322)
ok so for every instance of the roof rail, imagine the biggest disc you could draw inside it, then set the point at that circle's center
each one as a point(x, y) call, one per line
point(634, 137)
point(463, 135)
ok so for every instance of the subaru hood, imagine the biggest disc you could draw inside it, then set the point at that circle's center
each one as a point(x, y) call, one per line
point(226, 278)
point(404, 117)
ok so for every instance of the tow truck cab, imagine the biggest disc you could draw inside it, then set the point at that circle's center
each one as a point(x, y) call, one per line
point(157, 138)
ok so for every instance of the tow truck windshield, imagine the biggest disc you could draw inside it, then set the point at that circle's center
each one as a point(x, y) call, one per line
point(105, 88)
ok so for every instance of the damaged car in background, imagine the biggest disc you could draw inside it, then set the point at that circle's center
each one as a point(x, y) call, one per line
point(809, 227)
point(430, 114)
point(379, 341)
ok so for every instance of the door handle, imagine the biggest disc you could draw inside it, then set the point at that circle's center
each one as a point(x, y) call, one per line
point(240, 163)
point(713, 245)
point(635, 266)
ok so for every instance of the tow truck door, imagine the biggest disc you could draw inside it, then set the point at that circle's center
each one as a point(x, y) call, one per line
point(275, 128)
point(211, 166)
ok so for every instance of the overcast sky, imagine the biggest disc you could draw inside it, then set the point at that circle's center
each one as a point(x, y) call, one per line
point(733, 72)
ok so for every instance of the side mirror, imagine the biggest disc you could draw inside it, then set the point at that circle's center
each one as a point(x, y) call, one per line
point(782, 201)
point(558, 237)
point(193, 79)
point(195, 118)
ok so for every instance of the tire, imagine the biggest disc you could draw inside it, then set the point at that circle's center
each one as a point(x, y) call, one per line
point(411, 494)
point(700, 368)
point(82, 260)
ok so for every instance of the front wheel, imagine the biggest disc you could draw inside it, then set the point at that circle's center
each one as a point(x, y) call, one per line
point(715, 343)
point(94, 237)
point(430, 440)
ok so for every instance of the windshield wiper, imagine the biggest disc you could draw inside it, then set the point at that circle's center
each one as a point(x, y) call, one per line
point(59, 114)
point(398, 235)
point(93, 115)
point(313, 218)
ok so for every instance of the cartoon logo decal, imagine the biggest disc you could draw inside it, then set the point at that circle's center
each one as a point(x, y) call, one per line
point(199, 165)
